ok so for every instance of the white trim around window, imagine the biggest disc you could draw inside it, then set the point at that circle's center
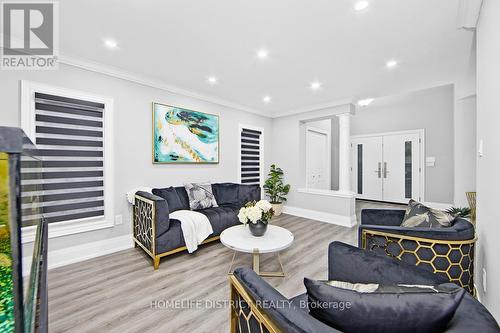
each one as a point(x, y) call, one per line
point(57, 229)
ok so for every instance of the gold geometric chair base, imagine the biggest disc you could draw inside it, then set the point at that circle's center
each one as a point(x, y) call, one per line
point(453, 260)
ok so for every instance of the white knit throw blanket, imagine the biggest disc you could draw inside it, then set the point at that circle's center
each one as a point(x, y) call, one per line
point(195, 227)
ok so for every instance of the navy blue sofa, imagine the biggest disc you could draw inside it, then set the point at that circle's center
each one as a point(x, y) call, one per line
point(249, 292)
point(448, 252)
point(160, 236)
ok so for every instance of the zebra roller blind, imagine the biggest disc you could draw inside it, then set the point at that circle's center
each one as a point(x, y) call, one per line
point(69, 181)
point(250, 156)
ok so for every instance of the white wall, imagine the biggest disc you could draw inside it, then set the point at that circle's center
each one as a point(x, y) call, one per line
point(465, 149)
point(488, 130)
point(464, 119)
point(132, 132)
point(430, 109)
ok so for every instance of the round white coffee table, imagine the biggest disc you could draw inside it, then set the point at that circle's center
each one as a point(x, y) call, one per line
point(239, 239)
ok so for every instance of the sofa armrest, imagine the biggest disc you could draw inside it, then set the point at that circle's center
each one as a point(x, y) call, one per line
point(461, 230)
point(351, 264)
point(151, 219)
point(266, 302)
point(389, 217)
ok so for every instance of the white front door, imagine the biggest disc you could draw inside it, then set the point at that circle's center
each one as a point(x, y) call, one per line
point(387, 167)
point(317, 159)
point(401, 167)
point(367, 167)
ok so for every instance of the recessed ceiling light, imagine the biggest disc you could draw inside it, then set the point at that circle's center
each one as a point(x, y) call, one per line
point(110, 43)
point(262, 54)
point(315, 85)
point(212, 80)
point(361, 5)
point(391, 63)
point(266, 99)
point(365, 102)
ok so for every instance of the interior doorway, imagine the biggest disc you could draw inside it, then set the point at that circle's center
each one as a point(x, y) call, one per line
point(318, 161)
point(388, 166)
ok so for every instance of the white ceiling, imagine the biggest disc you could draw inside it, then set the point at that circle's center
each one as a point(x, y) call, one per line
point(182, 42)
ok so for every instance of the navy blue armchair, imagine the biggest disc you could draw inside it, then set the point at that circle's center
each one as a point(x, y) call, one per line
point(447, 252)
point(257, 307)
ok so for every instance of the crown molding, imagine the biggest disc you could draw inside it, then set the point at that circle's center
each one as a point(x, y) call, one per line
point(468, 13)
point(149, 82)
point(313, 108)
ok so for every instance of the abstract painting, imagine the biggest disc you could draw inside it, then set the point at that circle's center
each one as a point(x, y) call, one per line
point(184, 136)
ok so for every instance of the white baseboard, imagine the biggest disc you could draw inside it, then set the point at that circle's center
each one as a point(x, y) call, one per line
point(345, 221)
point(438, 205)
point(77, 253)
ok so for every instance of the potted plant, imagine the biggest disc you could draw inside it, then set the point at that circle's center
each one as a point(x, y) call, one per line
point(275, 189)
point(464, 212)
point(257, 215)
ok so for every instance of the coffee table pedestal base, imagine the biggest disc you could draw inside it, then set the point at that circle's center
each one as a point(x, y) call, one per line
point(256, 265)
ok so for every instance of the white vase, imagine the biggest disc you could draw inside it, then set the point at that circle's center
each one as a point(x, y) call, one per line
point(278, 209)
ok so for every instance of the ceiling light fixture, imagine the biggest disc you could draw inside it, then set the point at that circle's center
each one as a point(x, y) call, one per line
point(391, 63)
point(266, 99)
point(361, 5)
point(262, 54)
point(315, 85)
point(212, 80)
point(365, 102)
point(110, 43)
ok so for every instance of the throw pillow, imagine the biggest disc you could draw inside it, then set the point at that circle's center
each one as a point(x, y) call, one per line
point(248, 193)
point(388, 309)
point(200, 195)
point(171, 196)
point(226, 193)
point(418, 215)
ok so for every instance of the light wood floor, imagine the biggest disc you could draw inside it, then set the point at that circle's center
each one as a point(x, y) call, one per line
point(114, 293)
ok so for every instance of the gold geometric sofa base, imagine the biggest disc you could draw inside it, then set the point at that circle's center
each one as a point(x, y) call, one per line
point(452, 259)
point(144, 233)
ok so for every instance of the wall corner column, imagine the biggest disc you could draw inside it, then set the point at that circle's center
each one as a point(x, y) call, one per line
point(345, 151)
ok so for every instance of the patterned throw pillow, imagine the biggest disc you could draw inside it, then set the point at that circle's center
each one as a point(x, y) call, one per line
point(200, 195)
point(418, 215)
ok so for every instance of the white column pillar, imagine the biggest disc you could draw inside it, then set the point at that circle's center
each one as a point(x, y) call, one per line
point(344, 152)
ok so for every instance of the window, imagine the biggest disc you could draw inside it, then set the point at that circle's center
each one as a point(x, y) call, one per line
point(360, 168)
point(408, 170)
point(251, 152)
point(70, 130)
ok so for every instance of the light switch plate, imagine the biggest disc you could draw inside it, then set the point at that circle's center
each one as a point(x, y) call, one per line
point(118, 220)
point(430, 161)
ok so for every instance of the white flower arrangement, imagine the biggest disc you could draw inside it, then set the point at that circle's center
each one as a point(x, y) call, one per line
point(255, 211)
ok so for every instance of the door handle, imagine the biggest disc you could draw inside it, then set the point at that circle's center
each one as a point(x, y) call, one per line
point(379, 170)
point(385, 170)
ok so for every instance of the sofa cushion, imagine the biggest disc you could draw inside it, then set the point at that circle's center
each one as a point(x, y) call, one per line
point(226, 193)
point(200, 195)
point(221, 217)
point(171, 239)
point(419, 215)
point(169, 194)
point(248, 193)
point(387, 309)
point(181, 192)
